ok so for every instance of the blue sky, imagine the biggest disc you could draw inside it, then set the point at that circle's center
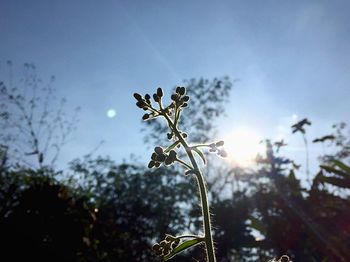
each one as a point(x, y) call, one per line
point(291, 58)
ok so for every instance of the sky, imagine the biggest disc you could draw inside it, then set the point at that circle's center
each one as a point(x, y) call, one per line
point(291, 60)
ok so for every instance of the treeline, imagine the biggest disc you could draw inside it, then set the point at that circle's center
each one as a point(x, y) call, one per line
point(108, 212)
point(100, 211)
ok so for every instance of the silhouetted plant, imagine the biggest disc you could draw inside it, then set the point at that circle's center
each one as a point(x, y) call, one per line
point(173, 245)
point(300, 127)
point(338, 140)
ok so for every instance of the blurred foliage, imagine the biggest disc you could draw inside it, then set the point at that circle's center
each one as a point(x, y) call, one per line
point(101, 211)
point(208, 98)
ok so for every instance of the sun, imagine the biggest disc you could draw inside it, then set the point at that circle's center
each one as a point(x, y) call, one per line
point(242, 146)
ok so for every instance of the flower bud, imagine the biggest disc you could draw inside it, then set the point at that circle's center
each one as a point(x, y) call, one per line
point(161, 157)
point(186, 98)
point(147, 97)
point(137, 96)
point(222, 153)
point(154, 156)
point(182, 90)
point(145, 116)
point(173, 154)
point(159, 92)
point(220, 143)
point(174, 97)
point(151, 164)
point(170, 238)
point(158, 150)
point(156, 98)
point(140, 104)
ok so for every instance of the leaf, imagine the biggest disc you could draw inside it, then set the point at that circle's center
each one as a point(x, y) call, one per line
point(183, 246)
point(341, 165)
point(200, 153)
point(335, 171)
point(291, 175)
point(188, 172)
point(257, 225)
point(345, 183)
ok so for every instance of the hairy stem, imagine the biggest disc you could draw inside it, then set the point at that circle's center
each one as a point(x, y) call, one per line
point(202, 192)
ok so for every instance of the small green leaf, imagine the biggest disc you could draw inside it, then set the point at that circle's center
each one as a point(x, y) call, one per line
point(341, 165)
point(335, 171)
point(200, 153)
point(183, 246)
point(344, 183)
point(191, 171)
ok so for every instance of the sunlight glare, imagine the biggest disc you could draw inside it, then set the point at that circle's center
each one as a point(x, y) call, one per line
point(111, 113)
point(242, 146)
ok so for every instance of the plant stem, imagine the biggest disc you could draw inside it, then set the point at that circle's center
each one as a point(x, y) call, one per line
point(202, 193)
point(307, 160)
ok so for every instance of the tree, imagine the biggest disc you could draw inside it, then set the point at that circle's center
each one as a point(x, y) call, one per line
point(34, 124)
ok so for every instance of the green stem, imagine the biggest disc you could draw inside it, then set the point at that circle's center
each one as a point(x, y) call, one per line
point(202, 192)
point(190, 236)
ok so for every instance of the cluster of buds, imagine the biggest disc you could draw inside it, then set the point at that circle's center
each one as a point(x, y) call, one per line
point(166, 246)
point(180, 98)
point(160, 156)
point(146, 104)
point(215, 147)
point(143, 102)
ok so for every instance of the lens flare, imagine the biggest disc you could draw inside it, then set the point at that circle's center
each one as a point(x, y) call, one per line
point(242, 146)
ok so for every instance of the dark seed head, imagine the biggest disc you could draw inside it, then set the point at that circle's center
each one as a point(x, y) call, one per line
point(184, 105)
point(178, 89)
point(169, 135)
point(184, 135)
point(147, 97)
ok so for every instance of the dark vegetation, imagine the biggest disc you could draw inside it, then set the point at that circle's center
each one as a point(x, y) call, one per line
point(100, 211)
